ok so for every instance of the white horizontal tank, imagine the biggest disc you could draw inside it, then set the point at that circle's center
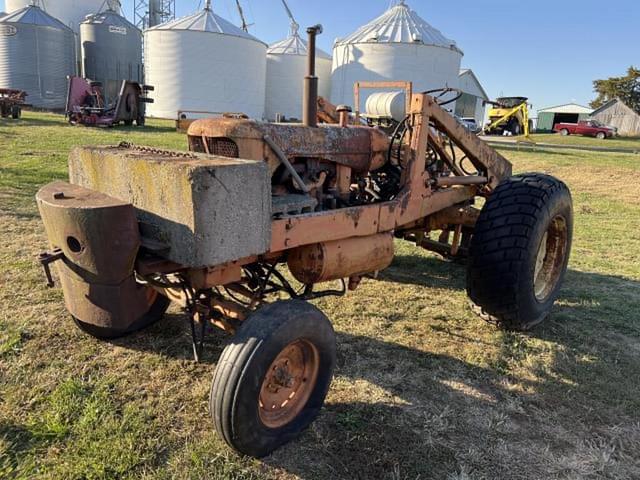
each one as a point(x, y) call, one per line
point(286, 69)
point(202, 64)
point(397, 46)
point(387, 105)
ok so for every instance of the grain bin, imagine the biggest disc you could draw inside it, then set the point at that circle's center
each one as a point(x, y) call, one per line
point(111, 51)
point(37, 53)
point(286, 69)
point(202, 64)
point(398, 45)
point(69, 12)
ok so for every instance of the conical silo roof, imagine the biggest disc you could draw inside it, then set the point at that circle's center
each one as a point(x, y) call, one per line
point(109, 17)
point(294, 45)
point(399, 24)
point(34, 15)
point(205, 21)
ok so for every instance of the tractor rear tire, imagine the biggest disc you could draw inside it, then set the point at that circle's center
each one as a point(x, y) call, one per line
point(155, 313)
point(520, 250)
point(272, 379)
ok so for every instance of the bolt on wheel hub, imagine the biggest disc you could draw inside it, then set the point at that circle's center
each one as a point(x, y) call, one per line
point(288, 383)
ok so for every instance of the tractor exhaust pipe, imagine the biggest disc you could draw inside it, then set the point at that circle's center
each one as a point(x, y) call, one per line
point(310, 103)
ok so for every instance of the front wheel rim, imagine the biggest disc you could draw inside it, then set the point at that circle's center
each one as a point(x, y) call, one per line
point(550, 259)
point(288, 384)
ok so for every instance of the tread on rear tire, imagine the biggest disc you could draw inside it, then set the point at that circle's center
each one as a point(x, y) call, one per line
point(520, 250)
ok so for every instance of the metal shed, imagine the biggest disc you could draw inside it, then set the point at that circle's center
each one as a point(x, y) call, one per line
point(568, 113)
point(472, 102)
point(616, 113)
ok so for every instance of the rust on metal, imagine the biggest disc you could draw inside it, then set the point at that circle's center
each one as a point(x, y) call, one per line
point(328, 261)
point(327, 222)
point(483, 157)
point(360, 148)
point(288, 383)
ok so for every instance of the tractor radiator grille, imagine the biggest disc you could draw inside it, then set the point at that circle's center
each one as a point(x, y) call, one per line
point(223, 147)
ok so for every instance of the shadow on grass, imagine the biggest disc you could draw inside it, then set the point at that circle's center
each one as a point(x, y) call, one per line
point(19, 442)
point(58, 121)
point(437, 412)
point(61, 121)
point(538, 149)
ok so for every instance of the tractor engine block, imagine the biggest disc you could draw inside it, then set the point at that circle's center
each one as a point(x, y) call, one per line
point(312, 168)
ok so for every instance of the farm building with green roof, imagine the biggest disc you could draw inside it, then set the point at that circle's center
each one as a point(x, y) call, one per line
point(569, 113)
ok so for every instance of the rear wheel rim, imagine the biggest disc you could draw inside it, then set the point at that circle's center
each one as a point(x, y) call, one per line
point(550, 259)
point(288, 384)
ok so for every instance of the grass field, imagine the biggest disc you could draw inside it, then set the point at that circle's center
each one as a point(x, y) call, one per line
point(423, 388)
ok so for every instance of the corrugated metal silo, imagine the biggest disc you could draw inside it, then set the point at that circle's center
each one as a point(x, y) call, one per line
point(398, 45)
point(37, 53)
point(69, 12)
point(111, 51)
point(286, 69)
point(202, 64)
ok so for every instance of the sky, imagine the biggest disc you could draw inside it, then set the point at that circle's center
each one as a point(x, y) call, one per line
point(548, 50)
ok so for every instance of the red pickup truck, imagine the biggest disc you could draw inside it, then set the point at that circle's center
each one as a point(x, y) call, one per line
point(589, 128)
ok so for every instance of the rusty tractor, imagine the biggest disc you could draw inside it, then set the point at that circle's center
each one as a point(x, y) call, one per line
point(257, 219)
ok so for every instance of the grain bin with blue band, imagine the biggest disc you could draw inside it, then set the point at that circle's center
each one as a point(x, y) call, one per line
point(37, 53)
point(201, 65)
point(398, 45)
point(111, 51)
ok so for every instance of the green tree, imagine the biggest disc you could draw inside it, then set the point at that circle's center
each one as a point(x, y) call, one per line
point(626, 88)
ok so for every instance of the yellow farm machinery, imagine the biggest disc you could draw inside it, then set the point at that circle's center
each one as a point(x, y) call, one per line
point(509, 116)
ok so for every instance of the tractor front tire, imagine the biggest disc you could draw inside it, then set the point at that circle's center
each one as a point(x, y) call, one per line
point(520, 250)
point(272, 379)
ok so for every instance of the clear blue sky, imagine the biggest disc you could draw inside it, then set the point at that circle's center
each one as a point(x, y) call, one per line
point(549, 50)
